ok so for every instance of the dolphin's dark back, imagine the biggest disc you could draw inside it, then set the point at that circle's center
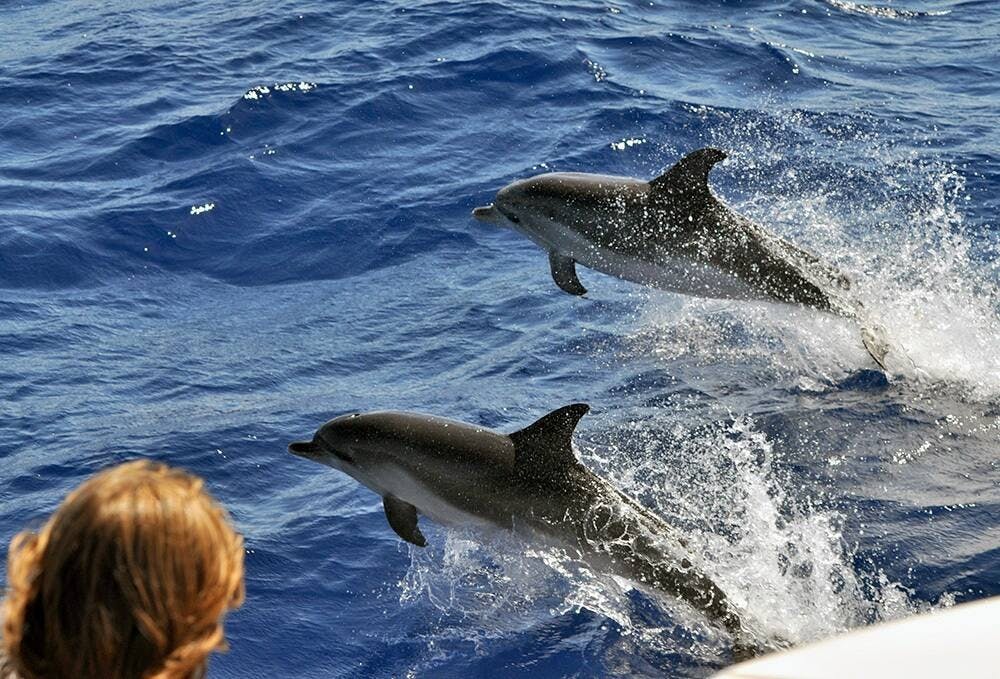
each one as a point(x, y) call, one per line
point(454, 442)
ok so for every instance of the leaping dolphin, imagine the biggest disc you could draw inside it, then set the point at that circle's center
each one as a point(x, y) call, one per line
point(672, 233)
point(458, 474)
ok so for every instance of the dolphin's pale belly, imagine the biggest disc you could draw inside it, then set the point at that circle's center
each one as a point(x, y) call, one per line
point(657, 267)
point(398, 482)
point(676, 274)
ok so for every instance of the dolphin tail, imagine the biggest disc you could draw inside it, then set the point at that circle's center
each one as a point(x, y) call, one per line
point(747, 648)
point(876, 342)
point(744, 649)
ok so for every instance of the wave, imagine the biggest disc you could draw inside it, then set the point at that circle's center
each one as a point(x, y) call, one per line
point(883, 11)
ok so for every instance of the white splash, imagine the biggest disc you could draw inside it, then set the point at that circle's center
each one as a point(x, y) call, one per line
point(911, 261)
point(260, 91)
point(596, 70)
point(201, 209)
point(883, 12)
point(781, 559)
point(918, 279)
point(627, 143)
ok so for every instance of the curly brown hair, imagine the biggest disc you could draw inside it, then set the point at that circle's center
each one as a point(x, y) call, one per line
point(129, 579)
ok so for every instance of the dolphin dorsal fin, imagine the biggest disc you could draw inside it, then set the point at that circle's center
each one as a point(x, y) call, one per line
point(548, 443)
point(690, 173)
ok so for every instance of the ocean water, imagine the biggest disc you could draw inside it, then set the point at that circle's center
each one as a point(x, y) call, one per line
point(224, 223)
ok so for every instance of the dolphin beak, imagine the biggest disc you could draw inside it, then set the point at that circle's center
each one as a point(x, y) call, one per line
point(487, 214)
point(306, 449)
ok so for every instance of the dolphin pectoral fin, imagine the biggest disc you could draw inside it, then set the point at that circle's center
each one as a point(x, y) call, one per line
point(564, 274)
point(876, 343)
point(690, 173)
point(548, 443)
point(402, 517)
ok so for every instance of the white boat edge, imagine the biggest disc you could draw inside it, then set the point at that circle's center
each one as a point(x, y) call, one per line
point(958, 642)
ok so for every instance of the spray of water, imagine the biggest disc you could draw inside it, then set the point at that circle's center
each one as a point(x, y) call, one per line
point(781, 554)
point(916, 275)
point(780, 557)
point(892, 221)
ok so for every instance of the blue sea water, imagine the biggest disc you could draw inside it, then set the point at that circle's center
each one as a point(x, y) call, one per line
point(223, 223)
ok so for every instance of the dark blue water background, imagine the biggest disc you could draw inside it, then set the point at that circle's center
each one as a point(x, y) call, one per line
point(222, 223)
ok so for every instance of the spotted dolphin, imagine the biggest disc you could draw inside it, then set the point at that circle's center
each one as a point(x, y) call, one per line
point(530, 481)
point(671, 233)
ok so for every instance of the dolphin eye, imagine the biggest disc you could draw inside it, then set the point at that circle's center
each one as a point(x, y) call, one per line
point(509, 215)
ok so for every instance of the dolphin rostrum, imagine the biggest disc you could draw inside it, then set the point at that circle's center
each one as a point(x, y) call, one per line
point(458, 474)
point(672, 233)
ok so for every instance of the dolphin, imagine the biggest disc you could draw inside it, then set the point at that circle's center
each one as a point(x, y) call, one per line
point(671, 233)
point(459, 474)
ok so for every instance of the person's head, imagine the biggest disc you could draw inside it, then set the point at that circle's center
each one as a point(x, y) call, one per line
point(130, 578)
